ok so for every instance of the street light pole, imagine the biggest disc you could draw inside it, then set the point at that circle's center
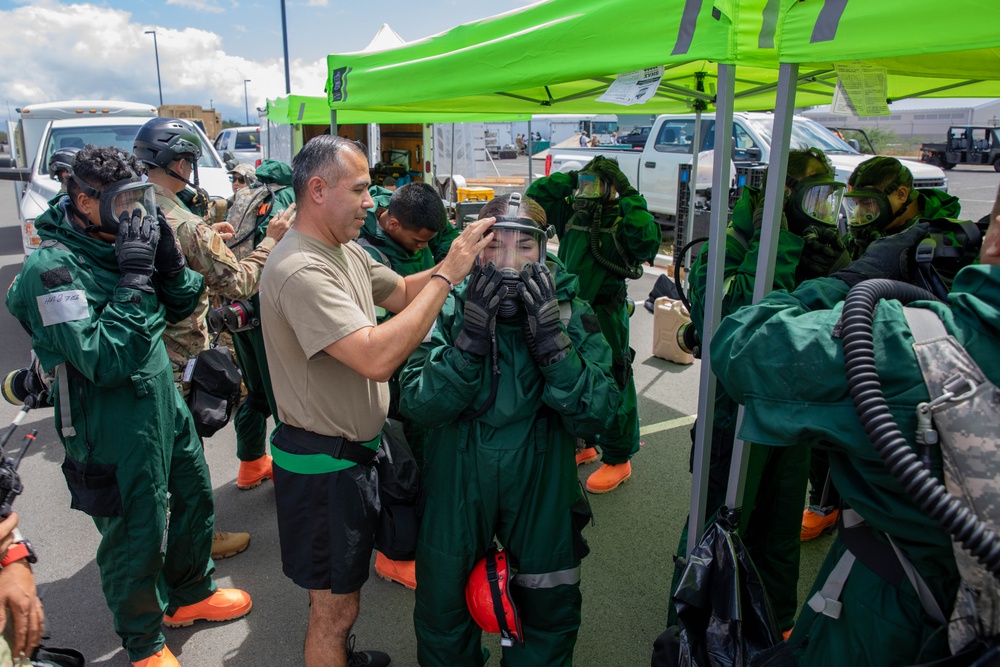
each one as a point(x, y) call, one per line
point(284, 40)
point(246, 100)
point(156, 51)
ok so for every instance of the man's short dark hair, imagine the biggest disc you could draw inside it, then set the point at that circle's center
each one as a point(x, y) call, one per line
point(388, 182)
point(881, 172)
point(321, 157)
point(418, 206)
point(100, 166)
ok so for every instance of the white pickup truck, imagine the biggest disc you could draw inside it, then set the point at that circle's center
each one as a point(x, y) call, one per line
point(44, 128)
point(654, 170)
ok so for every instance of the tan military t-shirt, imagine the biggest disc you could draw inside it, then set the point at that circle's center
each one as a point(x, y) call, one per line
point(312, 295)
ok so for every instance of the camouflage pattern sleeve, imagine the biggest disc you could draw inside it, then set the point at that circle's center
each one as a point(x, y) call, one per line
point(206, 253)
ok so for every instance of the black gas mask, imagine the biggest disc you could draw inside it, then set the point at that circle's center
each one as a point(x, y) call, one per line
point(869, 215)
point(591, 195)
point(813, 200)
point(118, 198)
point(517, 242)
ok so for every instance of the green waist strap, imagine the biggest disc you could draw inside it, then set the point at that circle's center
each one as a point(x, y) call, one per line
point(315, 464)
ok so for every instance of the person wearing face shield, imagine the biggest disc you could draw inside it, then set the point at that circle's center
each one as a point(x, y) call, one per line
point(809, 246)
point(881, 201)
point(170, 150)
point(96, 297)
point(515, 369)
point(605, 233)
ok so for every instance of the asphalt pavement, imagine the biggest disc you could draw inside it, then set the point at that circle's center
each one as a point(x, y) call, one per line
point(625, 578)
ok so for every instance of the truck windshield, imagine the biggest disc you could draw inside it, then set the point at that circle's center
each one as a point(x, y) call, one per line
point(119, 136)
point(807, 134)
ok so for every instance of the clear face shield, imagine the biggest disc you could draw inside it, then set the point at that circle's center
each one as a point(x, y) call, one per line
point(121, 197)
point(590, 186)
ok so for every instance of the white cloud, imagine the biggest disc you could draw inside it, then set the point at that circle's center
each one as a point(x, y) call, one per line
point(82, 51)
point(200, 5)
point(318, 3)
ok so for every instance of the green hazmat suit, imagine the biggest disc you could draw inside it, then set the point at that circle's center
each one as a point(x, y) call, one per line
point(795, 390)
point(776, 478)
point(134, 438)
point(626, 229)
point(250, 420)
point(510, 473)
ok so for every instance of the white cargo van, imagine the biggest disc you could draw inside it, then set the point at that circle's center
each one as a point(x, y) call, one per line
point(45, 128)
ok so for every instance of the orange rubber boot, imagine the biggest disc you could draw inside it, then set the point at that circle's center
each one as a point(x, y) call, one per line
point(403, 572)
point(253, 473)
point(816, 521)
point(586, 455)
point(609, 477)
point(162, 658)
point(224, 604)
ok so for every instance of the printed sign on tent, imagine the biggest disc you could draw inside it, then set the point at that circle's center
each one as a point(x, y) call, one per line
point(633, 87)
point(861, 90)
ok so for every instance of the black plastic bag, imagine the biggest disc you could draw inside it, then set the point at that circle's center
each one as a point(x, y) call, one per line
point(722, 608)
point(664, 286)
point(401, 494)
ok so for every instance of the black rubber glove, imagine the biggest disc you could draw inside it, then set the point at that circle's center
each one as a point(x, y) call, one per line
point(823, 252)
point(482, 301)
point(548, 341)
point(135, 248)
point(169, 260)
point(887, 257)
point(612, 173)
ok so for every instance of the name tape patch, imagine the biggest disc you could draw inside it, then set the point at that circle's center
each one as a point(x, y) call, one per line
point(65, 306)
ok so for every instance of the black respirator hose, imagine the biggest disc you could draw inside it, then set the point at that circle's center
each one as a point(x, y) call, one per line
point(677, 270)
point(862, 377)
point(632, 273)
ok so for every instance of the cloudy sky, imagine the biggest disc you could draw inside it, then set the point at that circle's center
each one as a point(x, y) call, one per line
point(51, 50)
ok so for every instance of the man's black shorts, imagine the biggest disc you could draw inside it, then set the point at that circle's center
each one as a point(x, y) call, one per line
point(326, 525)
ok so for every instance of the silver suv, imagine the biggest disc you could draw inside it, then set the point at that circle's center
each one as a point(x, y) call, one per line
point(241, 144)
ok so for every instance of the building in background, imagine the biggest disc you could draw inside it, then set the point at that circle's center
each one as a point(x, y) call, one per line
point(927, 118)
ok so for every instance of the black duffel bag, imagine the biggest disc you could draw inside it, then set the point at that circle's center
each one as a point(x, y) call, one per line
point(215, 390)
point(401, 494)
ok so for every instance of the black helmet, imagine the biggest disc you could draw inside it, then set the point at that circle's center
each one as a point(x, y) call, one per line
point(62, 160)
point(163, 140)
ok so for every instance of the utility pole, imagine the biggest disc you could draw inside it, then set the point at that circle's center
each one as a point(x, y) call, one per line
point(284, 40)
point(246, 100)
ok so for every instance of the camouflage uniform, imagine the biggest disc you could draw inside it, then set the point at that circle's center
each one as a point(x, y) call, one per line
point(206, 253)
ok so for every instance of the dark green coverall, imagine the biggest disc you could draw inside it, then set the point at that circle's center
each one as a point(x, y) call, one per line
point(776, 478)
point(631, 229)
point(781, 360)
point(134, 438)
point(510, 473)
point(250, 420)
point(931, 204)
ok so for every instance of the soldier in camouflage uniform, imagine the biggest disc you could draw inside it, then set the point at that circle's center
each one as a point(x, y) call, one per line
point(781, 359)
point(170, 151)
point(253, 209)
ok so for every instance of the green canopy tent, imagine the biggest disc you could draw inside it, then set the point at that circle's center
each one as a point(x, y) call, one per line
point(305, 110)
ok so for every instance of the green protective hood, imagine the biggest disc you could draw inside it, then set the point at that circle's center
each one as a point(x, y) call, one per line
point(274, 172)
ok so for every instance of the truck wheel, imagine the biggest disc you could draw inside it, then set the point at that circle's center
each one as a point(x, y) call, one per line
point(996, 164)
point(947, 166)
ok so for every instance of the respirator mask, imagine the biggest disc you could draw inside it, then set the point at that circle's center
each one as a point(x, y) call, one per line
point(517, 242)
point(813, 200)
point(117, 198)
point(591, 194)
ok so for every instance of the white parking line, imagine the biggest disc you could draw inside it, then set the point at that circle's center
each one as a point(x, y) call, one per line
point(667, 425)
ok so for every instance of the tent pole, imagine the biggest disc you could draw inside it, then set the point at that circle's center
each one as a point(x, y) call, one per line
point(693, 184)
point(451, 174)
point(531, 149)
point(774, 190)
point(713, 300)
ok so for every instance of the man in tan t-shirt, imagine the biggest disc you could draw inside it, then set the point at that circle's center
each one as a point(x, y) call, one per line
point(329, 365)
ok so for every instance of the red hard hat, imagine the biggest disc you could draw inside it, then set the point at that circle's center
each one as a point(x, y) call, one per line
point(489, 599)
